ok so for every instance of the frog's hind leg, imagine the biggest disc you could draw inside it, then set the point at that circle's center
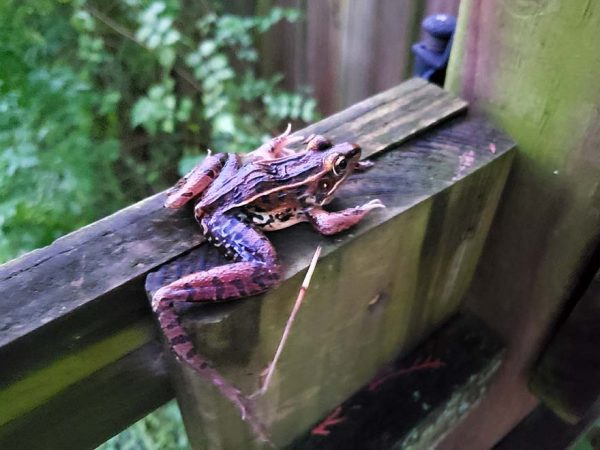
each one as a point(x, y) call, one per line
point(196, 181)
point(255, 271)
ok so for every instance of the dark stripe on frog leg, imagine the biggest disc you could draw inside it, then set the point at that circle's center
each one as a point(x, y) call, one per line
point(178, 341)
point(263, 278)
point(177, 337)
point(219, 289)
point(240, 286)
point(256, 274)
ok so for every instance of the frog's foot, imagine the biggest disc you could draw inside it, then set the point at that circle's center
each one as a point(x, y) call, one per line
point(363, 166)
point(246, 407)
point(373, 204)
point(329, 223)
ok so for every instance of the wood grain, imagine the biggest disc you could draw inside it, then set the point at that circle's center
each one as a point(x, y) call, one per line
point(415, 400)
point(532, 68)
point(376, 291)
point(77, 307)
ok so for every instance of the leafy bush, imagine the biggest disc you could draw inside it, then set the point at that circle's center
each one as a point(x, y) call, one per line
point(161, 430)
point(103, 103)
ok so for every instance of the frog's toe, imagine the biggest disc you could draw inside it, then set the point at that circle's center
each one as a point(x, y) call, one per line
point(361, 166)
point(373, 204)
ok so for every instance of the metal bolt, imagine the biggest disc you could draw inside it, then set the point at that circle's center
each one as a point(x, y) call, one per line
point(432, 53)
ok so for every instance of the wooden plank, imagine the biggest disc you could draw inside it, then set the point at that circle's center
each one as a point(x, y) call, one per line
point(567, 378)
point(323, 53)
point(326, 53)
point(78, 306)
point(415, 258)
point(387, 30)
point(344, 50)
point(513, 62)
point(414, 401)
point(90, 411)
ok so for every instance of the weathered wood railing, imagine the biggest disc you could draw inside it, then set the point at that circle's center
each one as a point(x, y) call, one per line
point(79, 353)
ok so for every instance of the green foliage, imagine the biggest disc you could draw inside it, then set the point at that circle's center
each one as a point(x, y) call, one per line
point(161, 430)
point(103, 103)
point(49, 119)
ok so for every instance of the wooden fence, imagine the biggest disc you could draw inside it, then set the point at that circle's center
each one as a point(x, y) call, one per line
point(532, 67)
point(346, 50)
point(79, 349)
point(76, 328)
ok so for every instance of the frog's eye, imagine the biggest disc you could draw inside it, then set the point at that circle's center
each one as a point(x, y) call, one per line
point(340, 165)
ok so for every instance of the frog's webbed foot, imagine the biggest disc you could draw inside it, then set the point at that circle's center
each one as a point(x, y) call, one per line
point(276, 147)
point(329, 223)
point(363, 166)
point(373, 204)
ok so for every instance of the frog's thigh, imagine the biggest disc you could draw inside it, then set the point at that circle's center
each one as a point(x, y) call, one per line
point(225, 282)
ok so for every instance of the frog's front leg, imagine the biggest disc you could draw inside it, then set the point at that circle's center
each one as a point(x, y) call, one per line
point(329, 223)
point(196, 181)
point(255, 271)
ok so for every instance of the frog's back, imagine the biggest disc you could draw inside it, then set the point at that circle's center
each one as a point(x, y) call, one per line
point(235, 184)
point(239, 185)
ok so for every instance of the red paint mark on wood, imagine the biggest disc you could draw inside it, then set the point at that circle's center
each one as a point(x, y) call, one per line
point(417, 365)
point(332, 419)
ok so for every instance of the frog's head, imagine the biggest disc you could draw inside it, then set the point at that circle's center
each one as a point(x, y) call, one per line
point(310, 177)
point(332, 165)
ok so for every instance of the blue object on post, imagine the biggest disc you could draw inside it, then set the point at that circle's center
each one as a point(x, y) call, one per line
point(433, 52)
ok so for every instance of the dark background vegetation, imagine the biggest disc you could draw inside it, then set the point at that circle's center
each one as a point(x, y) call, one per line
point(104, 103)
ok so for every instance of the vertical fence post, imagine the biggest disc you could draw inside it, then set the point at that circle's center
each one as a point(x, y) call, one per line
point(533, 68)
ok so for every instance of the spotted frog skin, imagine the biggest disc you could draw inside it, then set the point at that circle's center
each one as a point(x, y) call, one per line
point(237, 198)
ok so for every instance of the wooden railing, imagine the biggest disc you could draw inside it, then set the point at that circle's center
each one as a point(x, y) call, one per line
point(79, 353)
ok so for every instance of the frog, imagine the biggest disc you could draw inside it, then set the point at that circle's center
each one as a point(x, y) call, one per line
point(237, 198)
